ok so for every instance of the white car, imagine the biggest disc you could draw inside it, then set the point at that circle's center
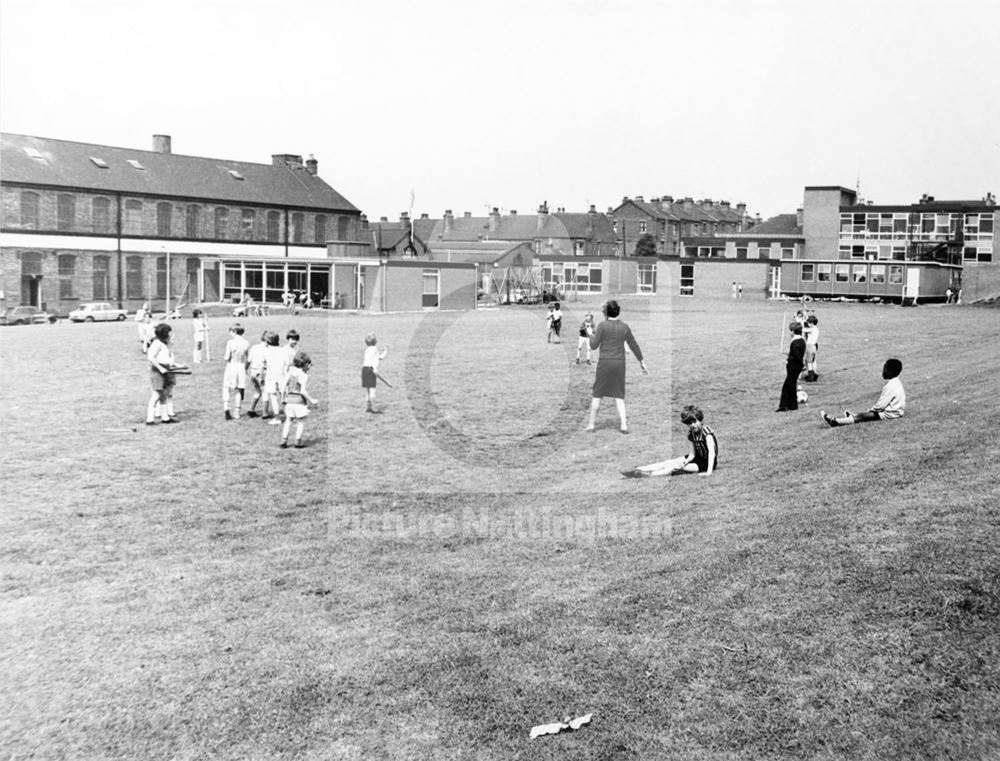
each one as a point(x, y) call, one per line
point(97, 311)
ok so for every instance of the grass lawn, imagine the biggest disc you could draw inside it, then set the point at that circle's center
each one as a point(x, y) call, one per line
point(431, 582)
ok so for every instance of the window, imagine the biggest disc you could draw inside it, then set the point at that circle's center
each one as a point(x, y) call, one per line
point(985, 255)
point(221, 222)
point(878, 274)
point(164, 211)
point(161, 277)
point(192, 221)
point(247, 224)
point(687, 280)
point(133, 217)
point(858, 252)
point(642, 227)
point(431, 284)
point(895, 274)
point(578, 247)
point(236, 175)
point(135, 164)
point(823, 273)
point(66, 211)
point(102, 277)
point(647, 278)
point(808, 273)
point(319, 236)
point(274, 226)
point(985, 224)
point(899, 226)
point(842, 273)
point(99, 162)
point(343, 228)
point(741, 252)
point(969, 253)
point(29, 210)
point(764, 249)
point(67, 272)
point(101, 210)
point(787, 253)
point(298, 221)
point(133, 277)
point(859, 273)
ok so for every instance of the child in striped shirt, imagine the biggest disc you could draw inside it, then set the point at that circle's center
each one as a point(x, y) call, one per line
point(704, 451)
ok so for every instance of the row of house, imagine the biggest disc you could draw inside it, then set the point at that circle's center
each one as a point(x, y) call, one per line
point(87, 222)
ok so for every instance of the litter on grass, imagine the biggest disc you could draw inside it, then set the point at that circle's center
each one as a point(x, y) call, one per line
point(560, 726)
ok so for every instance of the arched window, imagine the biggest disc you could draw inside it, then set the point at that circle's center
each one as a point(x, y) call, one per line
point(164, 212)
point(101, 214)
point(102, 277)
point(298, 222)
point(247, 224)
point(191, 220)
point(320, 236)
point(161, 277)
point(133, 277)
point(274, 226)
point(66, 211)
point(133, 217)
point(343, 228)
point(29, 210)
point(221, 222)
point(67, 274)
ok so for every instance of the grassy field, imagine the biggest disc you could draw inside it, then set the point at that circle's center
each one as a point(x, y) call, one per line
point(431, 582)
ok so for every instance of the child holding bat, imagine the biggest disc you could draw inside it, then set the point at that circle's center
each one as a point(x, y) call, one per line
point(369, 371)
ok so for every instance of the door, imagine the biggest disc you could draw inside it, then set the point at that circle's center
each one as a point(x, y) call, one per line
point(31, 290)
point(687, 280)
point(912, 288)
point(359, 287)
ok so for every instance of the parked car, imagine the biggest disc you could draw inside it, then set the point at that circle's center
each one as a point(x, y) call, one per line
point(25, 316)
point(98, 311)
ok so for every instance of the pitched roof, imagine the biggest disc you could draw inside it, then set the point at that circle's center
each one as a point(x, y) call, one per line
point(595, 227)
point(63, 163)
point(782, 224)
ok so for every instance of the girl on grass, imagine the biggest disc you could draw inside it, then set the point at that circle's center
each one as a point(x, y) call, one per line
point(704, 451)
point(161, 376)
point(296, 398)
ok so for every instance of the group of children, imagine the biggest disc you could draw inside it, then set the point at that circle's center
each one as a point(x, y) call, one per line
point(277, 375)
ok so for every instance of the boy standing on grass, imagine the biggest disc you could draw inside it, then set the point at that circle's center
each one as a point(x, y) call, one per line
point(369, 370)
point(291, 345)
point(555, 323)
point(793, 369)
point(275, 366)
point(234, 380)
point(200, 324)
point(297, 399)
point(890, 405)
point(255, 360)
point(704, 451)
point(161, 376)
point(811, 334)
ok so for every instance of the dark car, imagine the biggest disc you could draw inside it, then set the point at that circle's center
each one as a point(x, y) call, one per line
point(25, 316)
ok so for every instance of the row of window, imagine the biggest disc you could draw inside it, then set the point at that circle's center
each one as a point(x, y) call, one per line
point(581, 277)
point(823, 272)
point(101, 289)
point(248, 224)
point(979, 253)
point(917, 225)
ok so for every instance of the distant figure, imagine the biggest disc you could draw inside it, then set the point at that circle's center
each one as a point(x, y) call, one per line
point(739, 290)
point(793, 368)
point(734, 289)
point(891, 403)
point(369, 370)
point(199, 322)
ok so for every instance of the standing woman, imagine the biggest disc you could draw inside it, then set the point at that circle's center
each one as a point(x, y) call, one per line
point(611, 337)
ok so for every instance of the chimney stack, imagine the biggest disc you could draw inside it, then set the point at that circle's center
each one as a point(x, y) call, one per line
point(404, 217)
point(290, 160)
point(161, 143)
point(312, 165)
point(593, 209)
point(798, 217)
point(543, 214)
point(494, 219)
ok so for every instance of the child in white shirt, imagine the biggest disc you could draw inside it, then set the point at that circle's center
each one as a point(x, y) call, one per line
point(369, 370)
point(891, 403)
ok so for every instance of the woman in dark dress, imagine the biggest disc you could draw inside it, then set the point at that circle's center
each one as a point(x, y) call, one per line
point(610, 337)
point(793, 368)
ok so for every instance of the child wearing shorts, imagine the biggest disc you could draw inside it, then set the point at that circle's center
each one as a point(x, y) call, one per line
point(255, 360)
point(275, 367)
point(369, 370)
point(586, 331)
point(297, 399)
point(234, 380)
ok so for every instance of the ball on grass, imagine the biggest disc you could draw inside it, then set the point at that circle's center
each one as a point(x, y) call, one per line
point(801, 395)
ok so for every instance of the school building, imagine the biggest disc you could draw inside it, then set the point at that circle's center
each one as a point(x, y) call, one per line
point(85, 222)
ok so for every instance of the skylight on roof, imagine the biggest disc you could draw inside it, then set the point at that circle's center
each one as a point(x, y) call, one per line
point(236, 175)
point(34, 153)
point(99, 162)
point(135, 164)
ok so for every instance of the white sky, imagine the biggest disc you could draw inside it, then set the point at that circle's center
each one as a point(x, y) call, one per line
point(513, 102)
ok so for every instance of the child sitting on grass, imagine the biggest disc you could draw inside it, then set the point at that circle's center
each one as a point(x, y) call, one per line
point(702, 460)
point(891, 403)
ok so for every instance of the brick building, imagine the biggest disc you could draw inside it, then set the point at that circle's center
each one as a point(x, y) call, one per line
point(85, 222)
point(671, 222)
